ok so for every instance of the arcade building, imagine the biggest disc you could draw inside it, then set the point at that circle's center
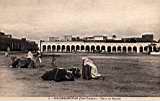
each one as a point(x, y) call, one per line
point(100, 44)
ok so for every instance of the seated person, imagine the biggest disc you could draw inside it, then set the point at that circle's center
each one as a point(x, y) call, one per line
point(89, 69)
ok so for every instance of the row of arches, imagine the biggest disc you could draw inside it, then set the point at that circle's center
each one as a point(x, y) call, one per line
point(98, 48)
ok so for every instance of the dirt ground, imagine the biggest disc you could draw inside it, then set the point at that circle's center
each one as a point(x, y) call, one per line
point(124, 76)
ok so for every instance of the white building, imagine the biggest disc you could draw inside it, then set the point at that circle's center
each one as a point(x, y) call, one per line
point(100, 44)
point(52, 39)
point(96, 38)
point(68, 38)
point(72, 46)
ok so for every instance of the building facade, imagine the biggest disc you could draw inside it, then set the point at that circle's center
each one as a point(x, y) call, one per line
point(13, 44)
point(103, 45)
point(98, 47)
point(68, 38)
point(52, 39)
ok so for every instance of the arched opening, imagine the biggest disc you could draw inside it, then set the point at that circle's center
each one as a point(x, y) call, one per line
point(58, 48)
point(98, 48)
point(68, 48)
point(103, 48)
point(87, 48)
point(49, 48)
point(82, 47)
point(44, 48)
point(124, 49)
point(63, 48)
point(135, 49)
point(93, 48)
point(150, 48)
point(109, 49)
point(114, 49)
point(145, 48)
point(129, 49)
point(155, 49)
point(141, 49)
point(77, 47)
point(53, 48)
point(119, 48)
point(72, 48)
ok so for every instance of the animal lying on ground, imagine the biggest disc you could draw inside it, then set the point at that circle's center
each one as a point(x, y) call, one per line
point(61, 74)
point(22, 62)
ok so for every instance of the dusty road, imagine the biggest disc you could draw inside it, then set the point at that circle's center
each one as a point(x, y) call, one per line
point(124, 76)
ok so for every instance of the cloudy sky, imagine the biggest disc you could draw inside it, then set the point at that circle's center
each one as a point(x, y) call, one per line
point(38, 19)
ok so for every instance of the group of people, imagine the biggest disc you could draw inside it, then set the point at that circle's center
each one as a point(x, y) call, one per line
point(89, 69)
point(29, 61)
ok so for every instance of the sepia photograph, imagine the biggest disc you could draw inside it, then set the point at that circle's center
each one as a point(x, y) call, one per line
point(80, 49)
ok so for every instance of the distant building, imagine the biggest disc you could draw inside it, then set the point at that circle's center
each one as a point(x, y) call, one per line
point(147, 37)
point(96, 38)
point(52, 39)
point(76, 39)
point(133, 39)
point(64, 38)
point(89, 38)
point(100, 38)
point(2, 34)
point(68, 38)
point(144, 38)
point(13, 44)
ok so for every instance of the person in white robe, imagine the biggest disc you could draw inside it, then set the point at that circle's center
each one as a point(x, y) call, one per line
point(94, 70)
point(30, 55)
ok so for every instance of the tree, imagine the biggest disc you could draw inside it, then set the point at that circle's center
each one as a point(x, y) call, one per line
point(78, 38)
point(114, 36)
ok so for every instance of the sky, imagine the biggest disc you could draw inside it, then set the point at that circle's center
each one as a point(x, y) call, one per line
point(40, 19)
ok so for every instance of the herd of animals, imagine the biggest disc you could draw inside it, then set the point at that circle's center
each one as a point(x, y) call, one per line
point(89, 69)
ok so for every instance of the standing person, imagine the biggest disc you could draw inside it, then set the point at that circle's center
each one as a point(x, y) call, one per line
point(53, 61)
point(7, 52)
point(39, 56)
